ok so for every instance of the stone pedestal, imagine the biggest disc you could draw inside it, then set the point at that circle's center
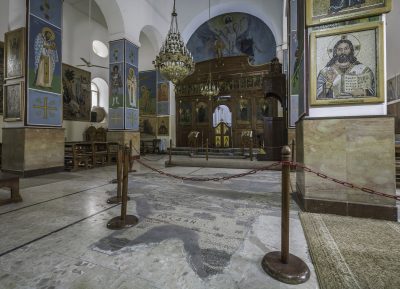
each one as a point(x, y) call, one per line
point(123, 137)
point(33, 151)
point(358, 150)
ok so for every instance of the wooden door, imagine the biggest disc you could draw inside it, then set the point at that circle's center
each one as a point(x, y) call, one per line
point(222, 135)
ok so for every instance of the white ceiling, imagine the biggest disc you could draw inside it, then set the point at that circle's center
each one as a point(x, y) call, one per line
point(83, 6)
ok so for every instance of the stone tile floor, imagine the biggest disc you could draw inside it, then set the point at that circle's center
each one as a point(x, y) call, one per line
point(190, 234)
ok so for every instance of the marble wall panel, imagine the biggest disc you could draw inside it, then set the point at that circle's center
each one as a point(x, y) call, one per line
point(29, 149)
point(356, 150)
point(123, 137)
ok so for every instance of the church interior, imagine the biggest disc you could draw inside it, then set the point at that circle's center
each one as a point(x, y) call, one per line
point(183, 144)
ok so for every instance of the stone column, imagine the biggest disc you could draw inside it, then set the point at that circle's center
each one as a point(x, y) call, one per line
point(123, 123)
point(33, 137)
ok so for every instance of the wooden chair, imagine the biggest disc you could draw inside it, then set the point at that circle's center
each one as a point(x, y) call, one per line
point(192, 139)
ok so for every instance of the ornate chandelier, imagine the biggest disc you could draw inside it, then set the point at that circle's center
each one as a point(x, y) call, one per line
point(174, 61)
point(209, 89)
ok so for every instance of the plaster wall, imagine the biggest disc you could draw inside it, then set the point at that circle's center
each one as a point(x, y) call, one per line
point(147, 53)
point(77, 42)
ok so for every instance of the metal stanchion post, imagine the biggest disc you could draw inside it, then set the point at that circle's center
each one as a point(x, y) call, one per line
point(170, 151)
point(117, 199)
point(207, 149)
point(251, 149)
point(131, 170)
point(293, 148)
point(124, 221)
point(284, 266)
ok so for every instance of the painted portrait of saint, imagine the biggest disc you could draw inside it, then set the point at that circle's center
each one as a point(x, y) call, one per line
point(347, 64)
point(46, 57)
point(339, 5)
point(328, 11)
point(233, 34)
point(116, 86)
point(14, 46)
point(131, 84)
point(345, 76)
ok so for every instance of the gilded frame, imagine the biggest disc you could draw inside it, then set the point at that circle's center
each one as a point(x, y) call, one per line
point(17, 115)
point(1, 75)
point(348, 14)
point(379, 63)
point(21, 36)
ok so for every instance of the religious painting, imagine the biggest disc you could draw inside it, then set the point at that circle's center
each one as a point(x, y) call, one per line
point(226, 141)
point(163, 108)
point(264, 108)
point(163, 125)
point(244, 111)
point(44, 69)
point(148, 92)
point(327, 11)
point(116, 73)
point(148, 125)
point(77, 95)
point(1, 75)
point(116, 118)
point(13, 100)
point(132, 88)
point(185, 112)
point(391, 89)
point(116, 51)
point(44, 108)
point(163, 91)
point(14, 53)
point(295, 63)
point(201, 112)
point(47, 10)
point(349, 66)
point(131, 53)
point(233, 34)
point(218, 141)
point(132, 119)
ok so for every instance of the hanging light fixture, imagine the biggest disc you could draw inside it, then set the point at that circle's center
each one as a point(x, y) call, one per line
point(174, 61)
point(209, 89)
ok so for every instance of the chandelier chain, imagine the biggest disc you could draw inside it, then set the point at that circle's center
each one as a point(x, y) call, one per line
point(209, 89)
point(174, 60)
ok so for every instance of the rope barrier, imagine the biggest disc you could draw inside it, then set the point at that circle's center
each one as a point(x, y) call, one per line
point(215, 179)
point(292, 165)
point(147, 159)
point(344, 183)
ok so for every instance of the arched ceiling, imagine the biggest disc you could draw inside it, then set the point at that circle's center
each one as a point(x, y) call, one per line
point(129, 17)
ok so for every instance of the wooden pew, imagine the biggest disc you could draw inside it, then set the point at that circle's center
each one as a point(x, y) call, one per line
point(10, 181)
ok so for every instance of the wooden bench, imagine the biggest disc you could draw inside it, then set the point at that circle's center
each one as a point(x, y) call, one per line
point(151, 145)
point(10, 181)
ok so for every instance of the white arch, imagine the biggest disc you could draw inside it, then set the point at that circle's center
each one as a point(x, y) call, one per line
point(154, 35)
point(112, 14)
point(103, 92)
point(228, 7)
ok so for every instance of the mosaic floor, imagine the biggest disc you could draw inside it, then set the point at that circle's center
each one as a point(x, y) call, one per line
point(190, 234)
